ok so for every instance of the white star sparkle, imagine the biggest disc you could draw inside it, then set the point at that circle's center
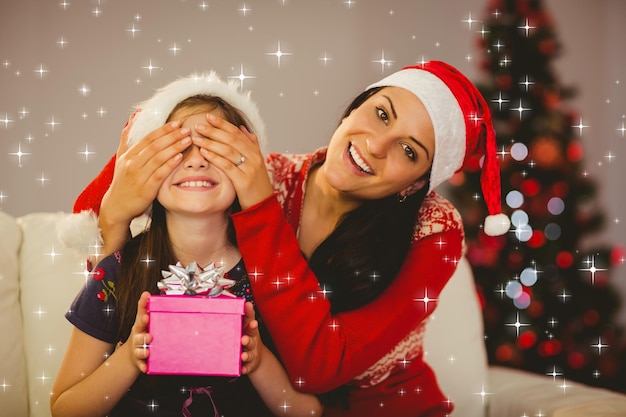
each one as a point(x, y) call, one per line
point(564, 386)
point(564, 295)
point(5, 385)
point(6, 120)
point(599, 346)
point(53, 254)
point(324, 291)
point(469, 21)
point(526, 27)
point(41, 71)
point(517, 324)
point(133, 30)
point(150, 68)
point(84, 90)
point(500, 100)
point(147, 260)
point(326, 58)
point(174, 49)
point(87, 153)
point(62, 42)
point(349, 3)
point(426, 299)
point(483, 393)
point(526, 83)
point(53, 123)
point(241, 77)
point(483, 31)
point(554, 373)
point(520, 109)
point(43, 378)
point(203, 6)
point(591, 261)
point(43, 179)
point(19, 154)
point(39, 312)
point(622, 129)
point(245, 9)
point(580, 126)
point(383, 62)
point(278, 54)
point(285, 407)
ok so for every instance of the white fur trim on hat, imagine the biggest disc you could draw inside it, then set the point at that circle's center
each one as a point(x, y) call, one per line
point(445, 114)
point(155, 110)
point(80, 231)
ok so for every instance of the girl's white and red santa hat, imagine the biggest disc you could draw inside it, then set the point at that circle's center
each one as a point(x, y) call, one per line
point(80, 229)
point(463, 129)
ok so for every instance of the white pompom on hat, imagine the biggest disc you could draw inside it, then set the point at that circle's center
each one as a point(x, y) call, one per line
point(463, 129)
point(80, 230)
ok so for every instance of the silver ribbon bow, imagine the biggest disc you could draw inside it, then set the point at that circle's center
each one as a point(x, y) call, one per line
point(194, 280)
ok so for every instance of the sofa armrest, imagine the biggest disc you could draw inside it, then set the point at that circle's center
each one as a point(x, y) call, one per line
point(519, 393)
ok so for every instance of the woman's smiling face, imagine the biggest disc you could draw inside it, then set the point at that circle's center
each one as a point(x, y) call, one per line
point(382, 148)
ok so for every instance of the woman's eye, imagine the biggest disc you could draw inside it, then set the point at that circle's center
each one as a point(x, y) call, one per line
point(408, 151)
point(382, 114)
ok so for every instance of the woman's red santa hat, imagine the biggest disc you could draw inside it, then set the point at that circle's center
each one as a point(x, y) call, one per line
point(463, 129)
point(80, 230)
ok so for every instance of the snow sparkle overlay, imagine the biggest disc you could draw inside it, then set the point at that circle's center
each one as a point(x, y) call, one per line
point(55, 133)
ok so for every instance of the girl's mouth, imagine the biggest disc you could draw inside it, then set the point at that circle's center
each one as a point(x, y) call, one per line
point(194, 184)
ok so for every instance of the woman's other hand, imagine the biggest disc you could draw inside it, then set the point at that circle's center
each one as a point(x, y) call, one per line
point(235, 151)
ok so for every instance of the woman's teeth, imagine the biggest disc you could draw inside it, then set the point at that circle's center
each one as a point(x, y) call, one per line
point(359, 161)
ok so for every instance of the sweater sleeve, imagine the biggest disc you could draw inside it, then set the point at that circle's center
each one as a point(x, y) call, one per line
point(322, 351)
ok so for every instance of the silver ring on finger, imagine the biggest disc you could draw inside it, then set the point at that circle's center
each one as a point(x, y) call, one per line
point(242, 159)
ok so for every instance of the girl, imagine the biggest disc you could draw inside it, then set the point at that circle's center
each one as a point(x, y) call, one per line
point(103, 372)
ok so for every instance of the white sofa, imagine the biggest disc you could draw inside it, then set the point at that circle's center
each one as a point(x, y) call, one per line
point(39, 278)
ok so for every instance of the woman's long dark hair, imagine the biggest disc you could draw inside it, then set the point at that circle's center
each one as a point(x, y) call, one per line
point(146, 255)
point(361, 257)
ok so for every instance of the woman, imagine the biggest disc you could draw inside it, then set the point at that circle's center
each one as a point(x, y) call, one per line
point(189, 223)
point(348, 247)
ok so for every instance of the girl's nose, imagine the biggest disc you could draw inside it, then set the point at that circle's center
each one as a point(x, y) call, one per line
point(194, 159)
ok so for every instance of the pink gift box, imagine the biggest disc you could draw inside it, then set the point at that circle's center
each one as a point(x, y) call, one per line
point(195, 335)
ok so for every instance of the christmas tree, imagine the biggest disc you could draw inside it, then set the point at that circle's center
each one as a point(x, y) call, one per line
point(548, 300)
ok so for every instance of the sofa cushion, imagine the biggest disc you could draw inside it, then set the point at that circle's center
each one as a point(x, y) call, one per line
point(519, 393)
point(454, 344)
point(13, 391)
point(51, 276)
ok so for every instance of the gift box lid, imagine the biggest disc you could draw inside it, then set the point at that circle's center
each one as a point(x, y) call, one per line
point(221, 304)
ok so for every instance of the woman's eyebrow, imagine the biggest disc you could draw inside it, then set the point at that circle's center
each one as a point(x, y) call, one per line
point(395, 116)
point(393, 109)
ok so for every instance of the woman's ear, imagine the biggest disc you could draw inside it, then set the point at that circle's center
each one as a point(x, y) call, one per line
point(413, 188)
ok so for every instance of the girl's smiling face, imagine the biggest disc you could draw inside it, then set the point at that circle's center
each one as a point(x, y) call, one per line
point(196, 186)
point(382, 148)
